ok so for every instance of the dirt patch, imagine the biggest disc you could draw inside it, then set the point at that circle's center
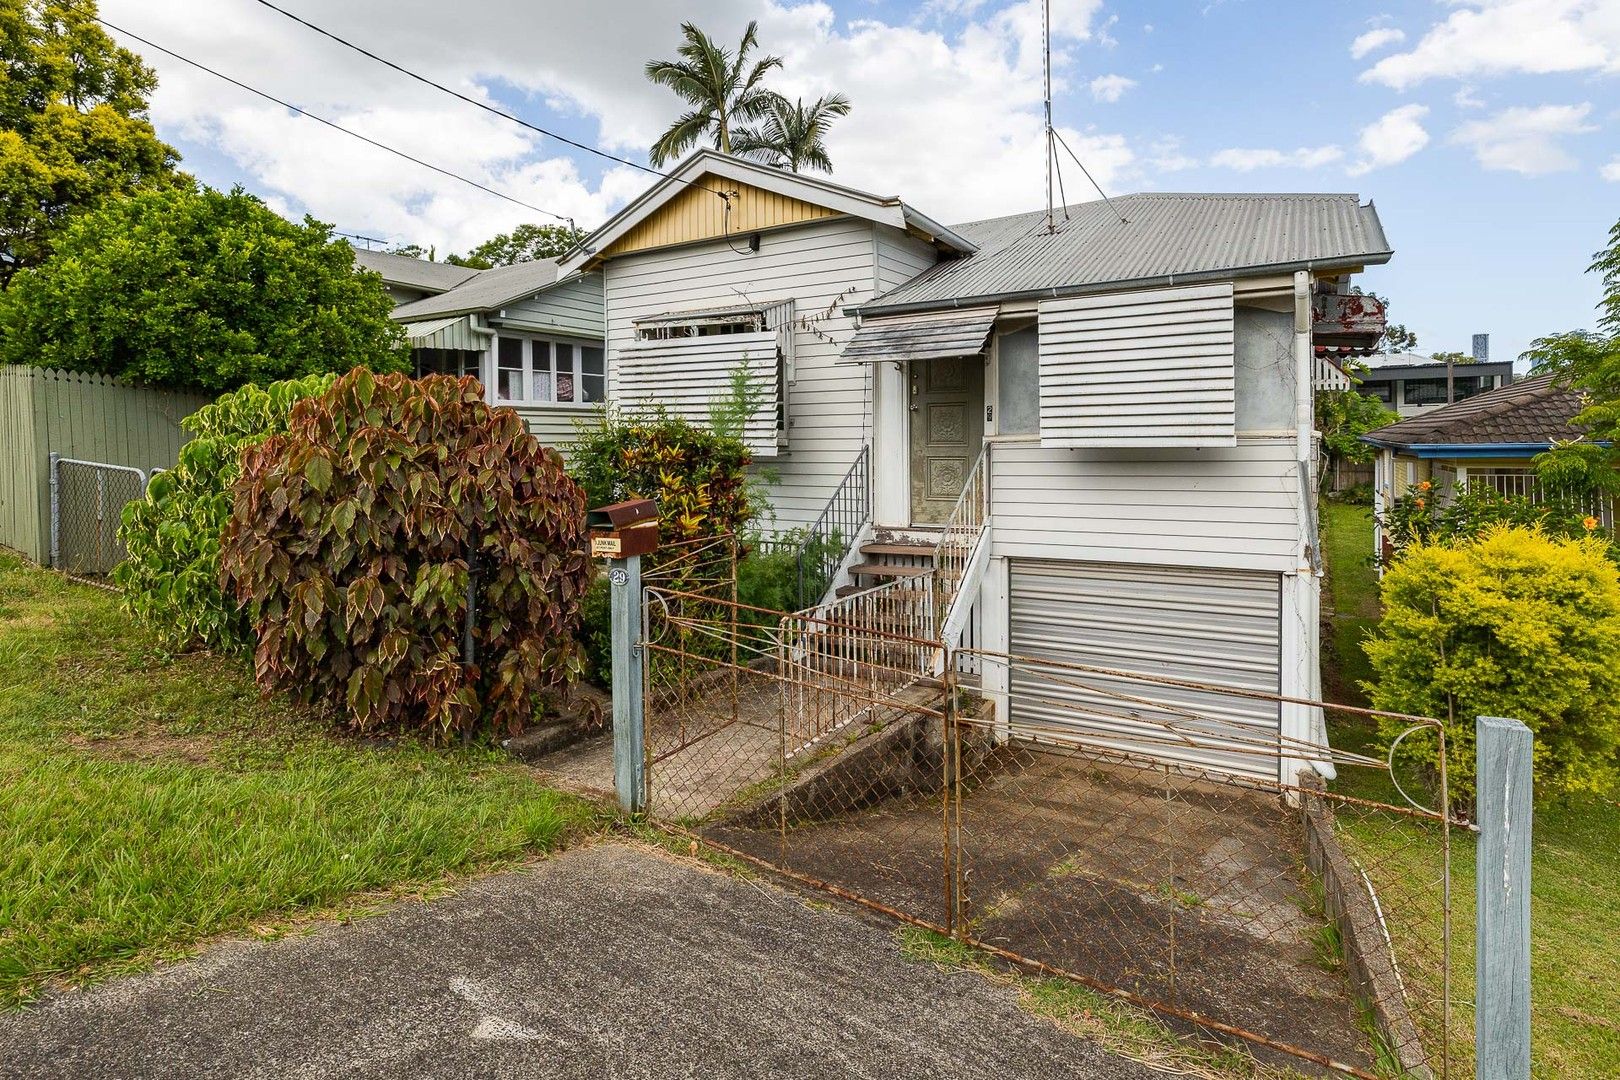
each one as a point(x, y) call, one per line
point(1184, 891)
point(146, 748)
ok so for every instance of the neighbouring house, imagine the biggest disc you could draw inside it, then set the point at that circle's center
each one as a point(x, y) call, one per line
point(1487, 440)
point(1095, 435)
point(1412, 384)
point(531, 337)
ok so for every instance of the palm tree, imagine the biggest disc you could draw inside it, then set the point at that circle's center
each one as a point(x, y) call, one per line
point(721, 87)
point(790, 133)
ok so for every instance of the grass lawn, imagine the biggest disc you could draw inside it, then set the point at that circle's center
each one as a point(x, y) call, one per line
point(1575, 887)
point(149, 801)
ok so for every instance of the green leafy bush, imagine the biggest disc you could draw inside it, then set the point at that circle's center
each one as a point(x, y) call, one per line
point(1514, 623)
point(698, 477)
point(356, 538)
point(171, 577)
point(596, 633)
point(1422, 517)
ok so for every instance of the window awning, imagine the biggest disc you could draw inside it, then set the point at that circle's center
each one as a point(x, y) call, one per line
point(931, 336)
point(456, 332)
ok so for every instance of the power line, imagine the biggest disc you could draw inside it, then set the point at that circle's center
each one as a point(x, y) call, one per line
point(333, 125)
point(486, 106)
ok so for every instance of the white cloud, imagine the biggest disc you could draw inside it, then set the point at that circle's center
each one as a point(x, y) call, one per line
point(1375, 39)
point(1465, 98)
point(1525, 139)
point(1248, 159)
point(1110, 87)
point(951, 119)
point(1391, 139)
point(1166, 155)
point(1611, 171)
point(1499, 37)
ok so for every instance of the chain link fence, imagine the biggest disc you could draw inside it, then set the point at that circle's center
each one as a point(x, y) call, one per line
point(1310, 923)
point(87, 502)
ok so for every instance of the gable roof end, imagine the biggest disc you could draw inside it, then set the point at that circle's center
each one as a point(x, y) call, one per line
point(412, 273)
point(884, 209)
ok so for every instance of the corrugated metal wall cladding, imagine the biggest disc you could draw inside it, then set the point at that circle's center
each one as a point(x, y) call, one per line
point(1216, 627)
point(1166, 234)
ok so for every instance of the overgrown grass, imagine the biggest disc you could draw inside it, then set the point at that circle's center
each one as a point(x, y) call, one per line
point(1575, 885)
point(1113, 1024)
point(149, 801)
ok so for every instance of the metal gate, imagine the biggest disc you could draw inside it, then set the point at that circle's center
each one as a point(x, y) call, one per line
point(87, 504)
point(1302, 920)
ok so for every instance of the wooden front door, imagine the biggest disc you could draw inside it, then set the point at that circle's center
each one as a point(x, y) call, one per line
point(947, 431)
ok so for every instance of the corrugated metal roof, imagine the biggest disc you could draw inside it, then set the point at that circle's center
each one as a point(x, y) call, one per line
point(413, 273)
point(921, 337)
point(456, 332)
point(1164, 236)
point(486, 291)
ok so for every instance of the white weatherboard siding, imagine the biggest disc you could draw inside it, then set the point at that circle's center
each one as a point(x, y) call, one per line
point(1215, 627)
point(553, 425)
point(1153, 367)
point(1233, 507)
point(685, 376)
point(571, 309)
point(823, 266)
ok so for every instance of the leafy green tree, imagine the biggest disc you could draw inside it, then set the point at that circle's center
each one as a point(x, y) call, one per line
point(73, 125)
point(526, 243)
point(198, 289)
point(1343, 417)
point(721, 86)
point(791, 134)
point(1590, 360)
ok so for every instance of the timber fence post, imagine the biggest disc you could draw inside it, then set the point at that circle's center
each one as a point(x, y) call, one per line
point(1502, 885)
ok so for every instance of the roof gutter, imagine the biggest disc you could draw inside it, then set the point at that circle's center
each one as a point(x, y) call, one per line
point(1462, 450)
point(1057, 292)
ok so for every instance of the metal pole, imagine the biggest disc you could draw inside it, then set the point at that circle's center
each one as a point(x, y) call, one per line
point(1502, 885)
point(56, 513)
point(629, 751)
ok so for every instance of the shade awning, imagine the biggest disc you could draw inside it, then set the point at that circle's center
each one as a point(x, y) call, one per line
point(930, 336)
point(456, 332)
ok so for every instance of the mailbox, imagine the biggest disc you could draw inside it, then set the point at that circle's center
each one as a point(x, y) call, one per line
point(623, 529)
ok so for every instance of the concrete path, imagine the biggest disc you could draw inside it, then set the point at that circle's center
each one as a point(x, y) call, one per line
point(613, 961)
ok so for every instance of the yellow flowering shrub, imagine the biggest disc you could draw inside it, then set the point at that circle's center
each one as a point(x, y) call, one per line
point(1512, 623)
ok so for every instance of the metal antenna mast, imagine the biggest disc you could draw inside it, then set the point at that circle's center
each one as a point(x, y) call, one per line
point(1051, 149)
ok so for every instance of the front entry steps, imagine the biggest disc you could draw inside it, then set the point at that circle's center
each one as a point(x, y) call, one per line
point(886, 559)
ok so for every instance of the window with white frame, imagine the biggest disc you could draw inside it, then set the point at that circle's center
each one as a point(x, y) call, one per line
point(536, 371)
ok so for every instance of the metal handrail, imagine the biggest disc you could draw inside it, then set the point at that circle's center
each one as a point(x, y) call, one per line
point(844, 516)
point(960, 535)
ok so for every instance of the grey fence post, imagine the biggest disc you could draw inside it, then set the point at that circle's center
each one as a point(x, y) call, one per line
point(1502, 884)
point(629, 761)
point(56, 514)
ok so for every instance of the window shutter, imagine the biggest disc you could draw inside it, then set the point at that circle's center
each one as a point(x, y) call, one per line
point(684, 376)
point(1152, 367)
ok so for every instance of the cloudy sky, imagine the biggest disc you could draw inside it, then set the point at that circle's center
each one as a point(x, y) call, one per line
point(1487, 131)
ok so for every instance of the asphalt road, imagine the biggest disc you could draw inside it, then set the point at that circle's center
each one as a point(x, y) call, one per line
point(612, 961)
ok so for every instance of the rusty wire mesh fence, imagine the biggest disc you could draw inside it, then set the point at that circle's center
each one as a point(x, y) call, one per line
point(1312, 923)
point(87, 502)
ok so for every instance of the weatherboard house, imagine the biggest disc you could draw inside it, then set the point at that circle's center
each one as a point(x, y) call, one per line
point(1113, 406)
point(533, 338)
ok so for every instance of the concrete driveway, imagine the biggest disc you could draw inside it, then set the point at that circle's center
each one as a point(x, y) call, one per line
point(611, 961)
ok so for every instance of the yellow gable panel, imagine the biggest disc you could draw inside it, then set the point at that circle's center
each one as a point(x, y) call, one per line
point(697, 213)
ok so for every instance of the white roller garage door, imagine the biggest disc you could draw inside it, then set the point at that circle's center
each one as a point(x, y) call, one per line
point(1219, 627)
